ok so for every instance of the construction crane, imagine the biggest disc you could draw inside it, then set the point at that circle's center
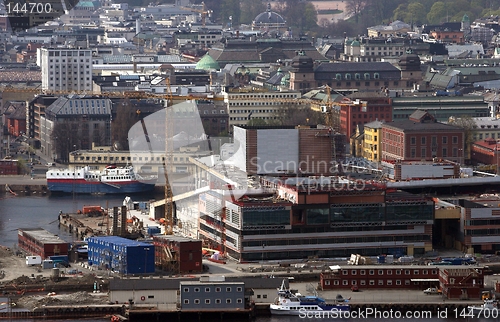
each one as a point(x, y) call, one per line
point(202, 11)
point(169, 151)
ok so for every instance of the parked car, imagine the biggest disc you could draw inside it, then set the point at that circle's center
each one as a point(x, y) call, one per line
point(432, 290)
point(355, 288)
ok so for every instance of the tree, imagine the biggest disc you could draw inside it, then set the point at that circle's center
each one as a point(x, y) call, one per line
point(126, 116)
point(250, 9)
point(292, 114)
point(256, 122)
point(468, 124)
point(230, 8)
point(438, 13)
point(355, 7)
point(66, 138)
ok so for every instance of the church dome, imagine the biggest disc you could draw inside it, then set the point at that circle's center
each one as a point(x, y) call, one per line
point(269, 17)
point(207, 63)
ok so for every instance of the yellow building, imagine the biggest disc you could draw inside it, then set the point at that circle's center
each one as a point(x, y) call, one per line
point(372, 141)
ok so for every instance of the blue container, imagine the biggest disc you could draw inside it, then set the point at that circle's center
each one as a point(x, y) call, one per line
point(381, 259)
point(153, 230)
point(122, 255)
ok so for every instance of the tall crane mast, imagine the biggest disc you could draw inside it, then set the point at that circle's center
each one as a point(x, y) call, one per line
point(168, 166)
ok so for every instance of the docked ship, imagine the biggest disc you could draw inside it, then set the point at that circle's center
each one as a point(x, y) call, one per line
point(111, 180)
point(288, 303)
point(488, 309)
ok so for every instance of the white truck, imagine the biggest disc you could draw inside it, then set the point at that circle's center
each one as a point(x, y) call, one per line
point(33, 260)
point(432, 290)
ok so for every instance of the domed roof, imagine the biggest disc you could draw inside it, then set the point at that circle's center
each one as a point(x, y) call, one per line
point(465, 18)
point(355, 43)
point(207, 63)
point(269, 17)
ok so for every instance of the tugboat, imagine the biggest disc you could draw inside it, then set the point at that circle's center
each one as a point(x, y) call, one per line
point(288, 303)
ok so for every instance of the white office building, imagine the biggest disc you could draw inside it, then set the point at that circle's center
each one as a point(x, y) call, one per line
point(66, 69)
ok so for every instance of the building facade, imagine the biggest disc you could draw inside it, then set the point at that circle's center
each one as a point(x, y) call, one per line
point(37, 241)
point(422, 138)
point(66, 69)
point(372, 143)
point(363, 110)
point(212, 295)
point(316, 217)
point(380, 277)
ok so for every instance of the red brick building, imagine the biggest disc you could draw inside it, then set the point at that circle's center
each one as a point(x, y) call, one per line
point(422, 138)
point(486, 152)
point(38, 241)
point(461, 282)
point(178, 254)
point(381, 276)
point(363, 110)
point(8, 167)
point(16, 118)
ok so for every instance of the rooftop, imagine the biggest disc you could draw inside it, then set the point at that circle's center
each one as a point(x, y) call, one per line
point(42, 235)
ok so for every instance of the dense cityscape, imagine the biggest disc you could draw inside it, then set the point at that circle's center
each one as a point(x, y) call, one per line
point(261, 151)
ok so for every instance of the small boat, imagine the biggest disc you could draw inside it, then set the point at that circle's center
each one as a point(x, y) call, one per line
point(288, 303)
point(488, 309)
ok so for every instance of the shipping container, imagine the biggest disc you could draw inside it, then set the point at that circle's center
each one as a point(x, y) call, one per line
point(33, 260)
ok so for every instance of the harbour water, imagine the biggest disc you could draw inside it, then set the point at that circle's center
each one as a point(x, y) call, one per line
point(37, 211)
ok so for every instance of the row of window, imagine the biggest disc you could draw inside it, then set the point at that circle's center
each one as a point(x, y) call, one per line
point(217, 289)
point(246, 118)
point(291, 95)
point(181, 159)
point(208, 301)
point(214, 112)
point(76, 78)
point(444, 152)
point(388, 272)
point(370, 116)
point(357, 76)
point(254, 111)
point(423, 140)
point(370, 282)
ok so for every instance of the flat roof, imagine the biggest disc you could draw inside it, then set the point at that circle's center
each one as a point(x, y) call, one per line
point(42, 235)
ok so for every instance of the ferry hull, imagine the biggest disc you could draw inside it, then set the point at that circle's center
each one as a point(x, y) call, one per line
point(330, 309)
point(99, 187)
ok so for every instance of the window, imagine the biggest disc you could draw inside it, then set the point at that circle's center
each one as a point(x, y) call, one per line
point(354, 272)
point(380, 272)
point(454, 139)
point(445, 140)
point(413, 140)
point(372, 282)
point(197, 301)
point(207, 301)
point(345, 272)
point(327, 282)
point(362, 272)
point(338, 76)
point(380, 282)
point(186, 290)
point(376, 76)
point(367, 76)
point(228, 301)
point(207, 289)
point(398, 272)
point(197, 289)
point(422, 140)
point(239, 301)
point(239, 289)
point(345, 282)
point(228, 289)
point(336, 282)
point(389, 282)
point(407, 272)
point(372, 272)
point(398, 282)
point(357, 76)
point(217, 301)
point(186, 301)
point(362, 282)
point(348, 76)
point(389, 272)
